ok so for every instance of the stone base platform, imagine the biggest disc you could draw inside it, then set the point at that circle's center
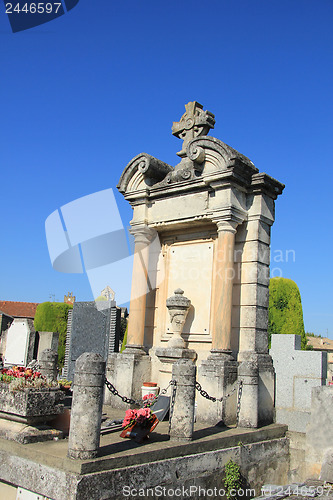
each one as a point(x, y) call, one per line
point(25, 434)
point(122, 464)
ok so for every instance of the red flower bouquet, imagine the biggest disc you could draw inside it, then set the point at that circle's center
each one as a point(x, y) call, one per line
point(138, 424)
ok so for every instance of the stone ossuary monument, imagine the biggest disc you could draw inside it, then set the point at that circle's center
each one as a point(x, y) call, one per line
point(202, 241)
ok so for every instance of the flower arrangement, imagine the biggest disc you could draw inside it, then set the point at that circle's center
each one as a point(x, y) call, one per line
point(143, 417)
point(20, 378)
point(149, 400)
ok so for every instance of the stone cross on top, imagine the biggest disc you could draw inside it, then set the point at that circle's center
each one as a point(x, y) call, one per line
point(193, 123)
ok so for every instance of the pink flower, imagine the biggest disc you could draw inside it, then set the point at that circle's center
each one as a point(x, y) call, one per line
point(142, 415)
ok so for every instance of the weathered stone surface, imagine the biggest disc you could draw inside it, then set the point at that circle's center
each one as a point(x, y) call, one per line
point(48, 364)
point(47, 340)
point(182, 420)
point(89, 332)
point(218, 377)
point(319, 432)
point(263, 457)
point(127, 372)
point(248, 374)
point(86, 414)
point(31, 405)
point(326, 473)
point(26, 434)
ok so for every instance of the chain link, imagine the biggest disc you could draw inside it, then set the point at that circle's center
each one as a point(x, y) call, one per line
point(114, 391)
point(240, 390)
point(172, 383)
point(138, 402)
point(172, 402)
point(205, 394)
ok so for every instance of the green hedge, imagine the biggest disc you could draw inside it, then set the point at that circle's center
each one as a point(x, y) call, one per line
point(52, 317)
point(285, 313)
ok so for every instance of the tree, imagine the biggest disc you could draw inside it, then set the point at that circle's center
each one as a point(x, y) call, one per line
point(52, 317)
point(123, 345)
point(285, 313)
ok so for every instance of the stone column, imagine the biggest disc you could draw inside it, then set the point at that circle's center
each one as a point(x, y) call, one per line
point(222, 297)
point(218, 374)
point(136, 324)
point(249, 375)
point(182, 418)
point(48, 364)
point(86, 413)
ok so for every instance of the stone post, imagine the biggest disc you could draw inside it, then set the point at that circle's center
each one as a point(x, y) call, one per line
point(48, 364)
point(86, 414)
point(136, 324)
point(182, 418)
point(249, 375)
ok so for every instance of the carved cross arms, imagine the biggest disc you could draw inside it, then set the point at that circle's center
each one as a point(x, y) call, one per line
point(194, 123)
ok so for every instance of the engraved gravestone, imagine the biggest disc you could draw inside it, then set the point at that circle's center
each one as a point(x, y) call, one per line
point(91, 328)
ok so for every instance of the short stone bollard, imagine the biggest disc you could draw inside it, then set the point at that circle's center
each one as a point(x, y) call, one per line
point(248, 373)
point(48, 364)
point(86, 413)
point(182, 418)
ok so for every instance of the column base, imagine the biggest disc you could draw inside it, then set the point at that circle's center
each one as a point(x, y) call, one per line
point(222, 354)
point(127, 371)
point(173, 354)
point(266, 384)
point(249, 403)
point(134, 349)
point(218, 376)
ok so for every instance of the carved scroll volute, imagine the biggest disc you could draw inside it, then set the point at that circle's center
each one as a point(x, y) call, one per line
point(178, 307)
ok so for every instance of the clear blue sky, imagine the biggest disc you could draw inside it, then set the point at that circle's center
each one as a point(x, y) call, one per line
point(85, 93)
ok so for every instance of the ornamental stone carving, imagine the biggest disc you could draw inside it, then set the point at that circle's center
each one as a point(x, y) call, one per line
point(178, 306)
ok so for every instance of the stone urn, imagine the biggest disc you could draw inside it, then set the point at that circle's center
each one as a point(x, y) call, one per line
point(178, 307)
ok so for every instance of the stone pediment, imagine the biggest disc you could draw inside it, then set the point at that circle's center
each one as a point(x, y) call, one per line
point(205, 161)
point(141, 172)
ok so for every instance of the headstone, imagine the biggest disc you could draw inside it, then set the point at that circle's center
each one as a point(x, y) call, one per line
point(319, 434)
point(88, 331)
point(48, 361)
point(47, 340)
point(20, 344)
point(297, 372)
point(114, 335)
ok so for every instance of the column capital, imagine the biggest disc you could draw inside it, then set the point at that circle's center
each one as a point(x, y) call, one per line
point(142, 233)
point(224, 225)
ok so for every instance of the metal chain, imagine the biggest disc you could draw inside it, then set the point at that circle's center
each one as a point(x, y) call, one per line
point(114, 391)
point(172, 401)
point(240, 390)
point(131, 401)
point(205, 394)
